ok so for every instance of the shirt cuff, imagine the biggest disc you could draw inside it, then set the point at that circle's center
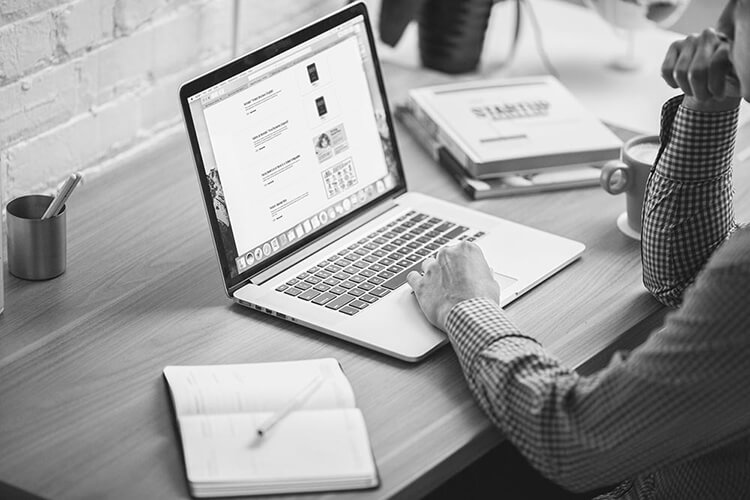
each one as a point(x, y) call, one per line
point(696, 146)
point(475, 324)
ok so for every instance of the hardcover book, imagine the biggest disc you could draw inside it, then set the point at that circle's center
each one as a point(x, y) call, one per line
point(498, 127)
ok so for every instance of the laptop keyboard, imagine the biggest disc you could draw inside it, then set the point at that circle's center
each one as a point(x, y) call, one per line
point(361, 274)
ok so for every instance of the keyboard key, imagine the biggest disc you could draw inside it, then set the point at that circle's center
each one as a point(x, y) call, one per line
point(322, 287)
point(303, 285)
point(323, 274)
point(313, 280)
point(455, 232)
point(337, 290)
point(400, 278)
point(359, 304)
point(281, 288)
point(366, 286)
point(356, 292)
point(292, 281)
point(380, 292)
point(332, 281)
point(341, 276)
point(367, 273)
point(293, 291)
point(385, 274)
point(323, 298)
point(361, 264)
point(302, 276)
point(357, 279)
point(339, 302)
point(377, 267)
point(375, 280)
point(347, 284)
point(444, 226)
point(308, 295)
point(369, 298)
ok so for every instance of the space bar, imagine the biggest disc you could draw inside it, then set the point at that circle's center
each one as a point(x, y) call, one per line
point(400, 278)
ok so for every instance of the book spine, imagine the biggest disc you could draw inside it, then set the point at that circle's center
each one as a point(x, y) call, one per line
point(445, 140)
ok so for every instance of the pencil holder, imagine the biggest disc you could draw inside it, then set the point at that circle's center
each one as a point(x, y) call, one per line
point(37, 248)
point(451, 34)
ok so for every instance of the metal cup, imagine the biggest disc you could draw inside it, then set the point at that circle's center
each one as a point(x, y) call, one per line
point(37, 248)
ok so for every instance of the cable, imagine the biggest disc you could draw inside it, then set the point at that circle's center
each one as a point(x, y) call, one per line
point(539, 41)
point(514, 41)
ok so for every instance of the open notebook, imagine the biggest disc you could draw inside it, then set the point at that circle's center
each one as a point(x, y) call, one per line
point(320, 446)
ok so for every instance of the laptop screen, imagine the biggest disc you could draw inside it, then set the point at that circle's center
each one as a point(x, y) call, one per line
point(293, 144)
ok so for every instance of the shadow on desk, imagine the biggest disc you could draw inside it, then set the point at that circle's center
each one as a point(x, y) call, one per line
point(503, 473)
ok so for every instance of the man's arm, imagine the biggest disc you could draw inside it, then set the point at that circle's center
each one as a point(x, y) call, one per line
point(681, 394)
point(688, 208)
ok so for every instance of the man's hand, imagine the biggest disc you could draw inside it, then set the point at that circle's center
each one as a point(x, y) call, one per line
point(459, 272)
point(701, 67)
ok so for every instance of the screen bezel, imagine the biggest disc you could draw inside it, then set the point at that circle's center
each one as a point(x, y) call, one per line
point(233, 281)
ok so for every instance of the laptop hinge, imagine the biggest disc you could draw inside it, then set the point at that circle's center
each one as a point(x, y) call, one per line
point(336, 234)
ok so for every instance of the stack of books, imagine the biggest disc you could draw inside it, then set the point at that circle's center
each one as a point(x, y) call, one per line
point(510, 136)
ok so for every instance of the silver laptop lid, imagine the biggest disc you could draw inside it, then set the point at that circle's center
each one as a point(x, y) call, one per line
point(291, 141)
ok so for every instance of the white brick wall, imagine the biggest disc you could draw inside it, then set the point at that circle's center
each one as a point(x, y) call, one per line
point(83, 82)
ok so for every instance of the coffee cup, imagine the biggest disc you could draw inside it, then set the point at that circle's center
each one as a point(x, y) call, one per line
point(629, 175)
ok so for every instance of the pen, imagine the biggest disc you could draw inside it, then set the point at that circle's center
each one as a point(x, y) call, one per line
point(62, 195)
point(293, 403)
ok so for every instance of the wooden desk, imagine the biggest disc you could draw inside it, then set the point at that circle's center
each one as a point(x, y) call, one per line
point(83, 408)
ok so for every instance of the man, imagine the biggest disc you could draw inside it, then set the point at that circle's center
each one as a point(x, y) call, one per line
point(672, 420)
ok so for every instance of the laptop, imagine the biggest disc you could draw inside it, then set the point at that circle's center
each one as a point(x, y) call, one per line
point(306, 198)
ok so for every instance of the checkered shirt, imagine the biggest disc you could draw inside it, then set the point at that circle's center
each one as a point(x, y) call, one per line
point(671, 419)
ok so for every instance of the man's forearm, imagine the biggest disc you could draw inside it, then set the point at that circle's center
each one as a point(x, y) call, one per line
point(688, 208)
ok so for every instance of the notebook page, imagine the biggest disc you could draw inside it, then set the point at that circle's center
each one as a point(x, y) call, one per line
point(306, 446)
point(256, 387)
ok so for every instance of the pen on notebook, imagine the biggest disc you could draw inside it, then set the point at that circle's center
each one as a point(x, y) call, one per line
point(62, 195)
point(293, 403)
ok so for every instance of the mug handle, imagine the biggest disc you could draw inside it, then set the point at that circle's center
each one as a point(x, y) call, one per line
point(608, 170)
